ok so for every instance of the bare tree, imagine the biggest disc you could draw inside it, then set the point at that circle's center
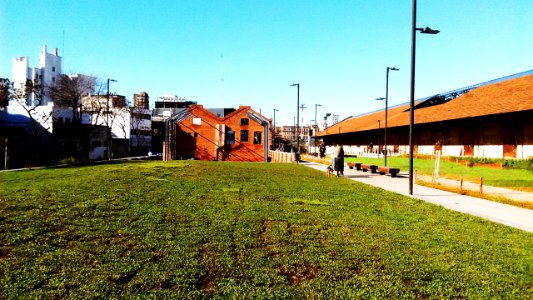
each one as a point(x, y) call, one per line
point(5, 86)
point(40, 119)
point(68, 92)
point(96, 105)
point(139, 125)
point(120, 117)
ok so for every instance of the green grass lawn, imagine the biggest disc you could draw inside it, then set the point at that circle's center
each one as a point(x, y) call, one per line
point(191, 229)
point(519, 179)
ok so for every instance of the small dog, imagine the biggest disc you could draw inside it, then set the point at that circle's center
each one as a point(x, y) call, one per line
point(329, 171)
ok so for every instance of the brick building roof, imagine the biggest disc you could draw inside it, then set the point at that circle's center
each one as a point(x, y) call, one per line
point(514, 95)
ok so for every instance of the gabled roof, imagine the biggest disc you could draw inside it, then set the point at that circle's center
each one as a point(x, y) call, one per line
point(250, 112)
point(513, 95)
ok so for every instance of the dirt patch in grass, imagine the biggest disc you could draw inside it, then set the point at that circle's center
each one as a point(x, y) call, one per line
point(299, 274)
point(206, 283)
point(5, 251)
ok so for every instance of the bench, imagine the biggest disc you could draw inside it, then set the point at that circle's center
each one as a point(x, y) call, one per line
point(352, 165)
point(389, 170)
point(366, 167)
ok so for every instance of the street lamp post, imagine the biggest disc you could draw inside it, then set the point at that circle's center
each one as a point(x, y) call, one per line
point(107, 121)
point(386, 110)
point(294, 134)
point(297, 123)
point(274, 127)
point(379, 126)
point(316, 123)
point(379, 129)
point(6, 154)
point(426, 30)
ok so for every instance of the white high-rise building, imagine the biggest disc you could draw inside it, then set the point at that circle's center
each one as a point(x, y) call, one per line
point(36, 107)
point(48, 71)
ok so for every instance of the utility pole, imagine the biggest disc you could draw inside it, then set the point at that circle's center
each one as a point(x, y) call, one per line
point(6, 159)
point(302, 107)
point(274, 125)
point(107, 120)
point(297, 122)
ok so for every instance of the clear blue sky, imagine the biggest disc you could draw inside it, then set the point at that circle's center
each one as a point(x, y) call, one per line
point(232, 52)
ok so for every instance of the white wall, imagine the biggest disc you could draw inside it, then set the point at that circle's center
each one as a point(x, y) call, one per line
point(42, 114)
point(482, 151)
point(50, 65)
point(121, 124)
point(488, 151)
point(20, 71)
point(426, 150)
point(524, 152)
point(453, 150)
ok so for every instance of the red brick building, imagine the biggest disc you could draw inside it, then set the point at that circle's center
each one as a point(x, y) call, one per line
point(242, 135)
point(492, 120)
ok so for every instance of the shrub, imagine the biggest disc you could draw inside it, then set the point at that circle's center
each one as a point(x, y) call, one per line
point(68, 161)
point(519, 163)
point(507, 163)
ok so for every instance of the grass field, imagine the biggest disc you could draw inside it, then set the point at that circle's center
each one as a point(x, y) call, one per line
point(191, 229)
point(519, 179)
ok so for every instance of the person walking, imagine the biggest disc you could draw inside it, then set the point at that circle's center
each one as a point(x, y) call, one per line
point(339, 160)
point(322, 150)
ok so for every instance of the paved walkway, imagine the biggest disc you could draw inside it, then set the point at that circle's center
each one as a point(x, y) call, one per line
point(509, 215)
point(488, 190)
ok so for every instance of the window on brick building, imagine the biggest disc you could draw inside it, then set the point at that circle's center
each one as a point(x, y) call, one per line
point(230, 137)
point(257, 137)
point(244, 121)
point(244, 136)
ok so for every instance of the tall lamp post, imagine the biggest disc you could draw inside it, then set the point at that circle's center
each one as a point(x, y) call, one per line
point(426, 30)
point(386, 110)
point(316, 123)
point(107, 120)
point(274, 127)
point(297, 122)
point(6, 154)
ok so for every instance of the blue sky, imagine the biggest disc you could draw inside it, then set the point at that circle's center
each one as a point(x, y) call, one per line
point(228, 53)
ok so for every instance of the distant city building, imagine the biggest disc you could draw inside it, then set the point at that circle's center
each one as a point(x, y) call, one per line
point(46, 74)
point(48, 71)
point(100, 103)
point(141, 100)
point(37, 124)
point(169, 101)
point(289, 132)
point(221, 112)
point(86, 83)
point(140, 131)
point(112, 112)
point(168, 105)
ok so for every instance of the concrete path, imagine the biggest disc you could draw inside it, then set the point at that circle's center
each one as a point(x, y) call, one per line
point(488, 190)
point(509, 215)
